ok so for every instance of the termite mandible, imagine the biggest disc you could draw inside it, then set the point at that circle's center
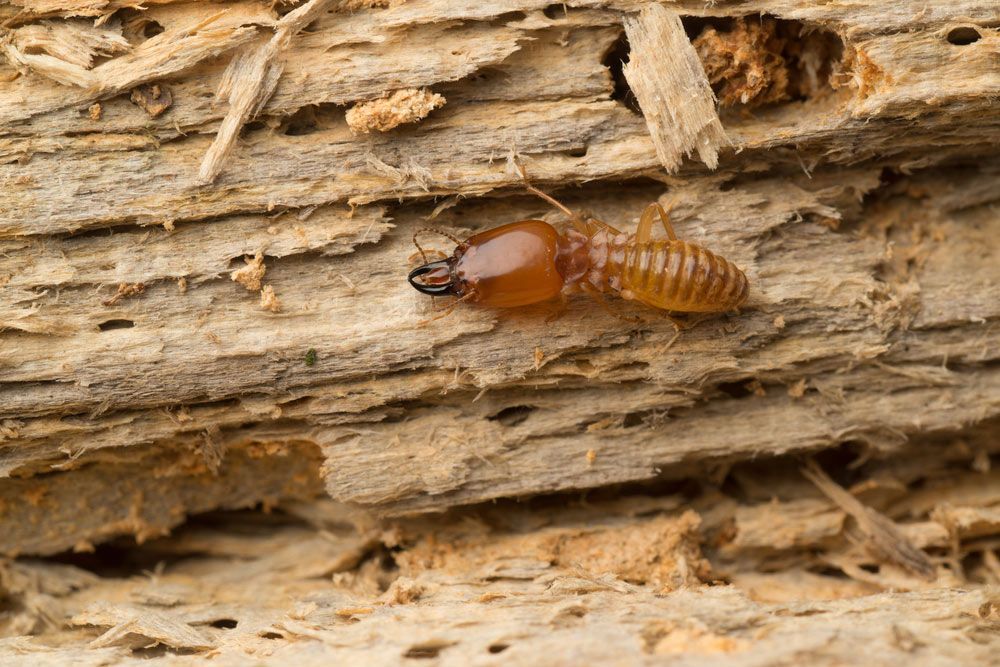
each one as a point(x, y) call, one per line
point(529, 261)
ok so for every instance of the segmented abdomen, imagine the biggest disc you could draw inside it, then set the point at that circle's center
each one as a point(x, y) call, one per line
point(681, 276)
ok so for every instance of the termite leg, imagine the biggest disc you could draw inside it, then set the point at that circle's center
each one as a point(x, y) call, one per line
point(645, 230)
point(599, 298)
point(559, 310)
point(680, 324)
point(431, 230)
point(447, 311)
point(601, 225)
point(665, 219)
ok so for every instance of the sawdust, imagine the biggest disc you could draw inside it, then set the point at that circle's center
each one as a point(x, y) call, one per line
point(539, 357)
point(861, 72)
point(95, 111)
point(393, 110)
point(269, 300)
point(251, 275)
point(152, 98)
point(745, 65)
point(125, 290)
point(663, 551)
point(403, 590)
point(762, 61)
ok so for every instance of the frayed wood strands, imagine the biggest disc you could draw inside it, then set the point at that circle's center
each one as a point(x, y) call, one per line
point(667, 78)
point(250, 80)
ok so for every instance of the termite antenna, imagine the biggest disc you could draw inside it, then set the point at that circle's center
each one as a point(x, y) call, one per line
point(431, 230)
point(535, 191)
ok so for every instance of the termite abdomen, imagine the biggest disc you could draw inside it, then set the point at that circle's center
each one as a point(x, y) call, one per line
point(680, 276)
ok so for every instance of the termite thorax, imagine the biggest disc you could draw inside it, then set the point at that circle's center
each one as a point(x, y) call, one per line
point(572, 260)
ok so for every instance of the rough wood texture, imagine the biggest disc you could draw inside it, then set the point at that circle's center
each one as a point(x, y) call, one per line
point(619, 581)
point(673, 92)
point(171, 346)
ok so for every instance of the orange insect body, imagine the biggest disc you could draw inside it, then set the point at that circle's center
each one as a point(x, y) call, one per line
point(529, 262)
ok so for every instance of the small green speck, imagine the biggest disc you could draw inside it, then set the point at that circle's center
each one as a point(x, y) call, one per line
point(310, 357)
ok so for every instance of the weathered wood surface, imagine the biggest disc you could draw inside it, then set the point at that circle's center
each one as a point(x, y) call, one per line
point(170, 346)
point(622, 581)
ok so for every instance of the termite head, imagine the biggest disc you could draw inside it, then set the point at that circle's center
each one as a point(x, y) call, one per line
point(507, 266)
point(436, 278)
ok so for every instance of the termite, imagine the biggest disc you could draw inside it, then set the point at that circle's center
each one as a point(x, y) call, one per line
point(529, 261)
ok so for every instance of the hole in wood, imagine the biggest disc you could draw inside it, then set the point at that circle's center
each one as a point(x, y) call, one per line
point(963, 35)
point(427, 650)
point(510, 17)
point(271, 635)
point(615, 60)
point(556, 11)
point(224, 623)
point(632, 419)
point(111, 325)
point(513, 415)
point(694, 25)
point(757, 61)
point(302, 122)
point(151, 29)
point(498, 648)
point(736, 389)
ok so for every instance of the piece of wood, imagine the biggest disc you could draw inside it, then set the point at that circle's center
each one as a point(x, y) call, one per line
point(249, 82)
point(676, 100)
point(514, 581)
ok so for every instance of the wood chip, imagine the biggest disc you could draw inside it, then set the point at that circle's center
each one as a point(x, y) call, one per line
point(667, 78)
point(882, 535)
point(398, 108)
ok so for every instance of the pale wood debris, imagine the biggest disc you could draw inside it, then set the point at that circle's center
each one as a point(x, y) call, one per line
point(518, 588)
point(68, 49)
point(393, 110)
point(269, 300)
point(667, 77)
point(251, 275)
point(154, 99)
point(881, 533)
point(250, 80)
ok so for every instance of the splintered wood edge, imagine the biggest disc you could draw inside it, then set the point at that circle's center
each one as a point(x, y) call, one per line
point(666, 75)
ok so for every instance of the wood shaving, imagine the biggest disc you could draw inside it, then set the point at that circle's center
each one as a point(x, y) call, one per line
point(393, 110)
